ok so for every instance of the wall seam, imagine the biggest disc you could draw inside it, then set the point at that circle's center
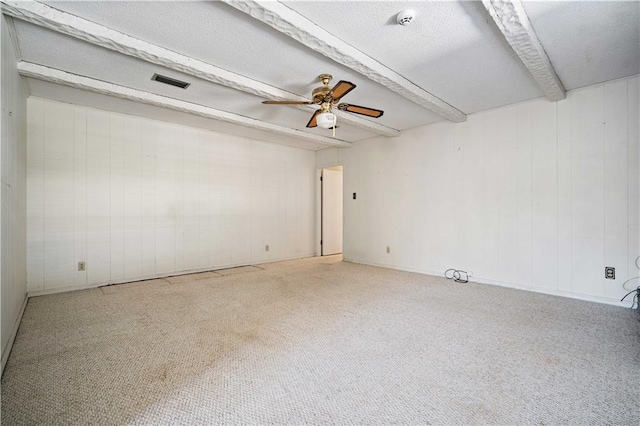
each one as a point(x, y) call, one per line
point(571, 186)
point(140, 125)
point(122, 173)
point(155, 201)
point(110, 211)
point(557, 199)
point(455, 197)
point(484, 233)
point(626, 148)
point(183, 190)
point(44, 203)
point(517, 215)
point(73, 195)
point(86, 195)
point(604, 185)
point(531, 283)
point(251, 199)
point(497, 183)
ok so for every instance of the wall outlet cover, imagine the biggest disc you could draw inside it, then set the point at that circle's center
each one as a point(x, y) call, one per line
point(82, 266)
point(610, 272)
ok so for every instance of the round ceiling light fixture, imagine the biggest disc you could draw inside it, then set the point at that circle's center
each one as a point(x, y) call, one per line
point(326, 120)
point(406, 16)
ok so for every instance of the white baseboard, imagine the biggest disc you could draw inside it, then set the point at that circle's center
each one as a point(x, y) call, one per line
point(586, 297)
point(14, 332)
point(44, 292)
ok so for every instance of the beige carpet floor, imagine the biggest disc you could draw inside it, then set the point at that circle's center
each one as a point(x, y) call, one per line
point(323, 342)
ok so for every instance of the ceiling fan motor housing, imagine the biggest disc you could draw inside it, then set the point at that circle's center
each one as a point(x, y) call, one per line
point(319, 93)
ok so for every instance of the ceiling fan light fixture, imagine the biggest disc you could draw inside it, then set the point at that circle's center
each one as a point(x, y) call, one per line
point(328, 98)
point(326, 120)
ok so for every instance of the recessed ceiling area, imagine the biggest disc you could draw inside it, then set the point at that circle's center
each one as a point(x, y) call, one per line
point(454, 51)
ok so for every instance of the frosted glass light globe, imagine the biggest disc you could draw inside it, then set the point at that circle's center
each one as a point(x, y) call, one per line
point(326, 120)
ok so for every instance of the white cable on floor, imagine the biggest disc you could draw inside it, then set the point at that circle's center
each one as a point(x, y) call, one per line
point(457, 275)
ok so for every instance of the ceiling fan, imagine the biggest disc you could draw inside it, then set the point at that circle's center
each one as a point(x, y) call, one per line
point(327, 98)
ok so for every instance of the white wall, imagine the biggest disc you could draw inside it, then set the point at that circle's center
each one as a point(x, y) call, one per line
point(13, 194)
point(137, 198)
point(537, 195)
point(328, 157)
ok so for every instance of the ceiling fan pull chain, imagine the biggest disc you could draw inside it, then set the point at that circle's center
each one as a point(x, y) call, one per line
point(334, 125)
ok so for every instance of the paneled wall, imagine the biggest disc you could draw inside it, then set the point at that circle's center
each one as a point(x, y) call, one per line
point(537, 195)
point(137, 198)
point(12, 214)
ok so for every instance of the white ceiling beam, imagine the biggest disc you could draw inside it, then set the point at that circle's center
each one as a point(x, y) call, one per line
point(301, 29)
point(513, 22)
point(28, 69)
point(66, 23)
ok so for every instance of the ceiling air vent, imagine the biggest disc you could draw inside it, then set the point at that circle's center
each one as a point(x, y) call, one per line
point(170, 81)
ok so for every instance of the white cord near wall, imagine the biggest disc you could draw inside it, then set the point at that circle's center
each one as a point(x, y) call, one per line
point(457, 275)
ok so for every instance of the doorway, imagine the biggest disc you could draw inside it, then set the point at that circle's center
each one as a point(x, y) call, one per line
point(331, 211)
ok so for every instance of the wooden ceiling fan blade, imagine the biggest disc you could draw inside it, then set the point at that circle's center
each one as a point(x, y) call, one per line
point(356, 109)
point(287, 102)
point(341, 89)
point(313, 122)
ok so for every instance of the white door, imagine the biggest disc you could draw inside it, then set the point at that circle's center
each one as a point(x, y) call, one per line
point(331, 211)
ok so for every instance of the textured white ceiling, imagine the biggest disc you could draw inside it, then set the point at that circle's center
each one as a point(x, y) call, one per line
point(55, 50)
point(220, 35)
point(588, 42)
point(452, 49)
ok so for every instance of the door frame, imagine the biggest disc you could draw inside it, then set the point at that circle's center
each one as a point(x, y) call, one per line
point(319, 204)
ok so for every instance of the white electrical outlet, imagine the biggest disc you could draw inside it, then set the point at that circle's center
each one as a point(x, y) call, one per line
point(81, 266)
point(266, 247)
point(388, 249)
